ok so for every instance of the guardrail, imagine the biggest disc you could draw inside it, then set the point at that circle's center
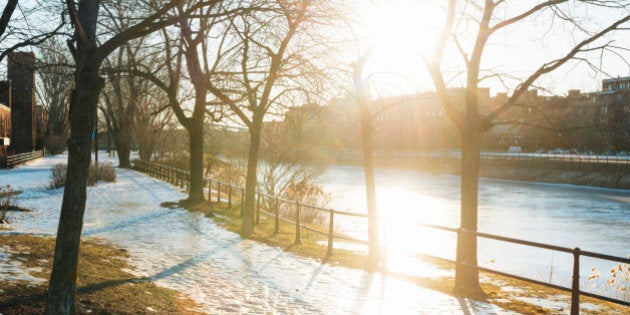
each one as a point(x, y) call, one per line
point(578, 158)
point(292, 212)
point(305, 217)
point(576, 252)
point(12, 161)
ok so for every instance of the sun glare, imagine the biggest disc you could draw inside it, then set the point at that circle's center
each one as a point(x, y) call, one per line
point(402, 222)
point(400, 33)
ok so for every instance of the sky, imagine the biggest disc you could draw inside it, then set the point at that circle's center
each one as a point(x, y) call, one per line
point(402, 31)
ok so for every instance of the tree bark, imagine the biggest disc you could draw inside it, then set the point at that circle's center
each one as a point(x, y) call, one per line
point(124, 152)
point(466, 273)
point(62, 287)
point(368, 161)
point(370, 185)
point(7, 12)
point(88, 57)
point(252, 179)
point(195, 134)
point(145, 150)
point(123, 146)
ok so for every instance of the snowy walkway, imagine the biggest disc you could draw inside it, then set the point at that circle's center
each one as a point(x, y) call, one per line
point(218, 269)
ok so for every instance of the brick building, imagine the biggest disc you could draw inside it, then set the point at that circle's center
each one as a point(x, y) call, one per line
point(5, 116)
point(21, 120)
point(613, 113)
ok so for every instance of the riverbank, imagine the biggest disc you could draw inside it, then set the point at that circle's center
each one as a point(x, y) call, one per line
point(616, 176)
point(105, 285)
point(604, 179)
point(506, 293)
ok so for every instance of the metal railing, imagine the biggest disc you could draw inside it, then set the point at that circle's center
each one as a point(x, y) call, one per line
point(281, 210)
point(560, 157)
point(232, 193)
point(12, 161)
point(576, 252)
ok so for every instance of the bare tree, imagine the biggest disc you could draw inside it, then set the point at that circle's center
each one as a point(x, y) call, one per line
point(7, 12)
point(88, 55)
point(286, 175)
point(151, 119)
point(367, 128)
point(468, 28)
point(55, 83)
point(25, 29)
point(189, 63)
point(273, 67)
point(120, 103)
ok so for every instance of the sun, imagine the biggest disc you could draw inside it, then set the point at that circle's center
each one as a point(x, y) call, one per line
point(400, 34)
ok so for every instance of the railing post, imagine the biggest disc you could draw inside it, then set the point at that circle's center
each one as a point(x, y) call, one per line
point(575, 287)
point(210, 189)
point(257, 209)
point(276, 223)
point(298, 238)
point(331, 229)
point(242, 200)
point(229, 196)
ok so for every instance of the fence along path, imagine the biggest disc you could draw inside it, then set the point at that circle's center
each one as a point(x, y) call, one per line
point(303, 216)
point(11, 161)
point(180, 177)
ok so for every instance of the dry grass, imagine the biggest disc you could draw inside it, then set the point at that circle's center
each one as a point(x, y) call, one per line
point(492, 292)
point(103, 285)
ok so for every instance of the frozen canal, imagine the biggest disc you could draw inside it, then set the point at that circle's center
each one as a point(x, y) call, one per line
point(218, 269)
point(591, 218)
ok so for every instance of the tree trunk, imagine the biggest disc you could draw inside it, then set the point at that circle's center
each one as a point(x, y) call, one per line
point(195, 133)
point(370, 184)
point(145, 148)
point(252, 180)
point(123, 156)
point(62, 285)
point(466, 274)
point(123, 148)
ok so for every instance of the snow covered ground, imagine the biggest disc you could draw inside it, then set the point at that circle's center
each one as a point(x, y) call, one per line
point(217, 268)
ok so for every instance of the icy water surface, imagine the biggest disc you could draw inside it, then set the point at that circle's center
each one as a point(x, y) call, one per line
point(218, 269)
point(593, 219)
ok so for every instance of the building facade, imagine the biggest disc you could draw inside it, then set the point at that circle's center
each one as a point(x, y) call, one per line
point(21, 74)
point(22, 122)
point(613, 113)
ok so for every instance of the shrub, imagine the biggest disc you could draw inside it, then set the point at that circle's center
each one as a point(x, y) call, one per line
point(57, 176)
point(295, 182)
point(105, 173)
point(8, 199)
